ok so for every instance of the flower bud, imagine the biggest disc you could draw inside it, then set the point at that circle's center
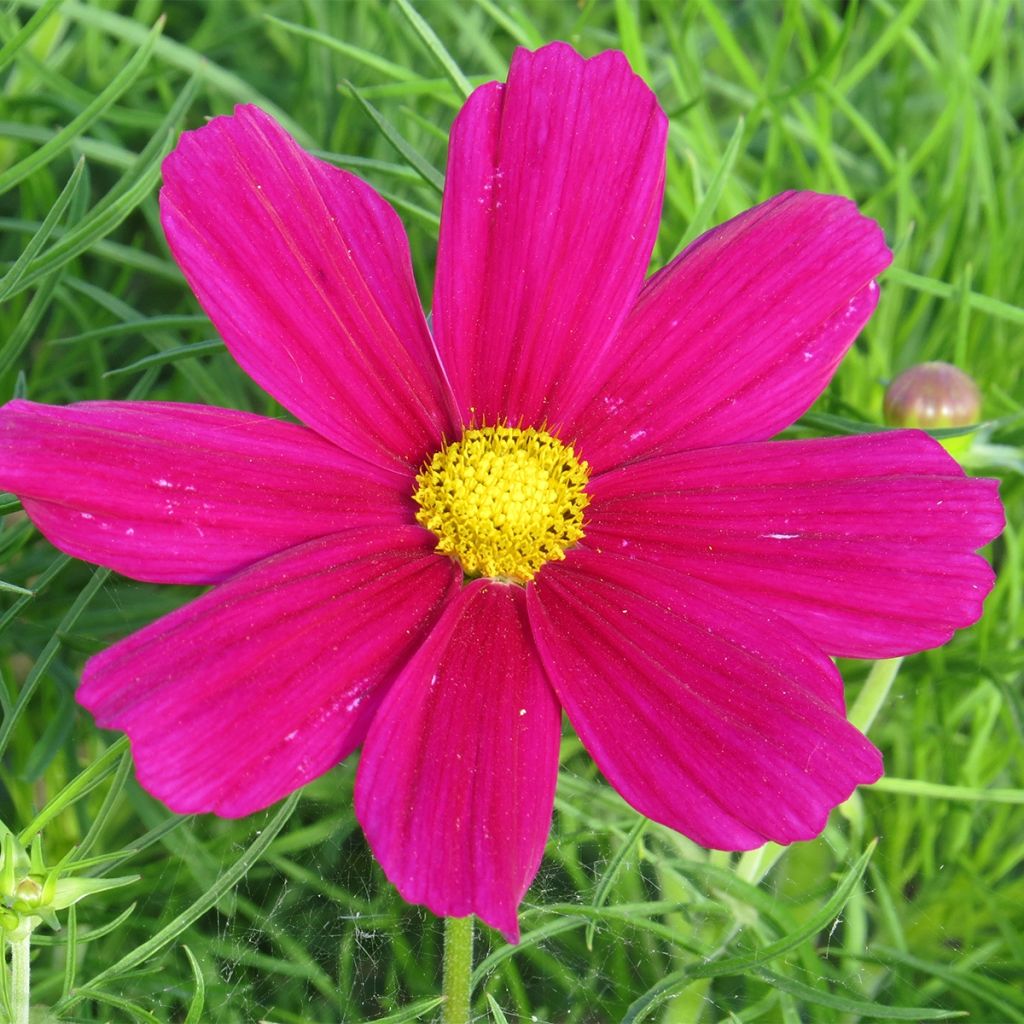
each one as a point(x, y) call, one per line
point(28, 894)
point(932, 396)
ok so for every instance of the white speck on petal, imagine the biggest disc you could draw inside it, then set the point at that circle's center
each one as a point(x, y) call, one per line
point(780, 536)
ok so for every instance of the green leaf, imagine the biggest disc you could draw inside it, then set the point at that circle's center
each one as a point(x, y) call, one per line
point(91, 776)
point(496, 1011)
point(941, 791)
point(608, 878)
point(39, 239)
point(179, 55)
point(411, 156)
point(136, 184)
point(166, 935)
point(73, 890)
point(414, 1011)
point(171, 355)
point(678, 980)
point(195, 1007)
point(857, 1007)
point(88, 592)
point(398, 72)
point(702, 218)
point(436, 48)
point(982, 303)
point(10, 49)
point(119, 84)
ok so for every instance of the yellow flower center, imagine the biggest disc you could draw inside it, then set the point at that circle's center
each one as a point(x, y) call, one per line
point(503, 501)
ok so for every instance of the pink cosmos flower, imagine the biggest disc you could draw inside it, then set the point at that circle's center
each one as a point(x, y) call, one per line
point(563, 499)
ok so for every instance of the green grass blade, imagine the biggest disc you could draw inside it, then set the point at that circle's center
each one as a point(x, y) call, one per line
point(608, 878)
point(88, 592)
point(135, 186)
point(180, 56)
point(224, 883)
point(941, 791)
point(678, 980)
point(496, 1011)
point(172, 355)
point(71, 952)
point(705, 212)
point(10, 49)
point(856, 1007)
point(13, 346)
point(84, 782)
point(414, 1011)
point(57, 566)
point(195, 1007)
point(414, 159)
point(389, 68)
point(10, 280)
point(982, 303)
point(81, 938)
point(117, 86)
point(441, 56)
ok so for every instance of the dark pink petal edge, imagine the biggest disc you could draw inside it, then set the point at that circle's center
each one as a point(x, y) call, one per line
point(866, 544)
point(272, 678)
point(717, 719)
point(551, 208)
point(171, 493)
point(305, 272)
point(738, 336)
point(457, 777)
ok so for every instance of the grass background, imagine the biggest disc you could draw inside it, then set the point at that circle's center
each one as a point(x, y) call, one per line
point(915, 110)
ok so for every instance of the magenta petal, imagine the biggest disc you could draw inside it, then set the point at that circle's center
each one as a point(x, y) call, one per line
point(550, 212)
point(272, 678)
point(305, 271)
point(735, 338)
point(865, 543)
point(457, 777)
point(173, 493)
point(707, 715)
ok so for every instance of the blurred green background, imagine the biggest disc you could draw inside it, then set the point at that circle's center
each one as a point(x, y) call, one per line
point(912, 108)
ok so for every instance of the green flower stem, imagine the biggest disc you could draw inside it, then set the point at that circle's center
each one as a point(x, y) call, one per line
point(873, 693)
point(458, 963)
point(21, 949)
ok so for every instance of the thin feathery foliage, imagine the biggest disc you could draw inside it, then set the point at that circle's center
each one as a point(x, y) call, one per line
point(915, 111)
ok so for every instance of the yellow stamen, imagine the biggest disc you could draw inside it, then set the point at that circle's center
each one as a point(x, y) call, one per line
point(503, 501)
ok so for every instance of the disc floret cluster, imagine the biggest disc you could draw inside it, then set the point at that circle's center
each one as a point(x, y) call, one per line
point(503, 501)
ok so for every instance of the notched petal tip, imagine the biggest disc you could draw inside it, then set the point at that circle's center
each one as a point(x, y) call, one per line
point(457, 775)
point(768, 751)
point(271, 679)
point(305, 272)
point(737, 336)
point(867, 544)
point(552, 196)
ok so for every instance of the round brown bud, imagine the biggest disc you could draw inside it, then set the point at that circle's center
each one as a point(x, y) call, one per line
point(932, 395)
